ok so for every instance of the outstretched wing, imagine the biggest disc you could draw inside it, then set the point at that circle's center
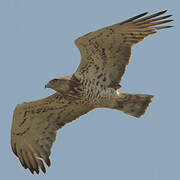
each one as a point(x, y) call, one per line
point(105, 53)
point(35, 125)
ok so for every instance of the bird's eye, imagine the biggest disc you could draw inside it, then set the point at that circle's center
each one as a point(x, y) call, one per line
point(54, 80)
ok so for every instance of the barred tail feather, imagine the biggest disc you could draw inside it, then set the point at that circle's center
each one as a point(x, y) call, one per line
point(133, 104)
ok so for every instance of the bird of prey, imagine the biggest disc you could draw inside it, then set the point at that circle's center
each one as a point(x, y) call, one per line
point(105, 53)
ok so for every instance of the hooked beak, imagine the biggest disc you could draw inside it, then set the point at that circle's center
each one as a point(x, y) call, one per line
point(46, 86)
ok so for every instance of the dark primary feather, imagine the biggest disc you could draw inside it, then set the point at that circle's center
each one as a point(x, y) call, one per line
point(133, 18)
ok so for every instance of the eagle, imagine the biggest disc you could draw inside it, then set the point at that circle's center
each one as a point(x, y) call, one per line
point(105, 53)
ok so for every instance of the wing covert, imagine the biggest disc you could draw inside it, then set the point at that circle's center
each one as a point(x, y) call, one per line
point(35, 125)
point(105, 53)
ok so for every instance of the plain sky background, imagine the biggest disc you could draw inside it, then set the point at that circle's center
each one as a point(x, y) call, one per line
point(37, 44)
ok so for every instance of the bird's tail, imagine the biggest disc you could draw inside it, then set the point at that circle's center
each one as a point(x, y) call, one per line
point(132, 104)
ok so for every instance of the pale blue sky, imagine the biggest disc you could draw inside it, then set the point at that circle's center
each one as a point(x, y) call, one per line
point(37, 44)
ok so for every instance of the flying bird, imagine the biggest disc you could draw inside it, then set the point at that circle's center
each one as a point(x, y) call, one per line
point(105, 53)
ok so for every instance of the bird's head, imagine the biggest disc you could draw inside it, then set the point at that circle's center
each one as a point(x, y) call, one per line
point(53, 83)
point(58, 84)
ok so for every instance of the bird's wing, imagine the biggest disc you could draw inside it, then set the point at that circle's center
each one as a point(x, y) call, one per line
point(35, 125)
point(105, 53)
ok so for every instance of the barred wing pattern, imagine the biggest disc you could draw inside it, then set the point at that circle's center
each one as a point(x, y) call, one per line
point(35, 125)
point(105, 53)
point(104, 56)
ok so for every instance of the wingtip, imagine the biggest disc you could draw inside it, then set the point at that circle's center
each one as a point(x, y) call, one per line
point(161, 12)
point(145, 13)
point(48, 162)
point(163, 27)
point(43, 170)
point(31, 170)
point(134, 18)
point(34, 170)
point(164, 11)
point(37, 171)
point(141, 17)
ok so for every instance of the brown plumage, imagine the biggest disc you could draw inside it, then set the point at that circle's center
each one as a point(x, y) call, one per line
point(105, 54)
